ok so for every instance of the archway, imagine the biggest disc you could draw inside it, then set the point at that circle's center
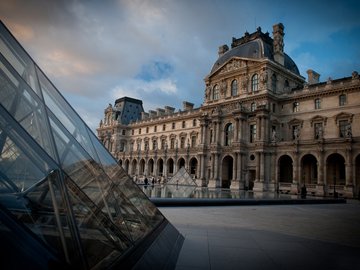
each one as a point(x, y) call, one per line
point(193, 166)
point(126, 166)
point(170, 166)
point(285, 169)
point(133, 167)
point(335, 169)
point(181, 163)
point(160, 166)
point(151, 167)
point(142, 167)
point(309, 169)
point(226, 172)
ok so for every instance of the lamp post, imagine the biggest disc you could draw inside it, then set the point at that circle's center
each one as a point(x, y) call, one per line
point(335, 194)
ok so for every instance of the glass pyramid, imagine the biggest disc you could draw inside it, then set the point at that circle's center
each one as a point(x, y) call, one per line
point(182, 177)
point(64, 200)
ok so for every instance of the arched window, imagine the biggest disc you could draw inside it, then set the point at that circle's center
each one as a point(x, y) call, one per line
point(234, 88)
point(229, 134)
point(253, 107)
point(216, 92)
point(273, 83)
point(255, 83)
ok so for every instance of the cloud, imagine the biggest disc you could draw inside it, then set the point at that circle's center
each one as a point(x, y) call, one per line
point(160, 51)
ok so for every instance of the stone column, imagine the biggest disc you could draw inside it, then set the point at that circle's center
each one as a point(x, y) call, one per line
point(262, 167)
point(241, 132)
point(236, 134)
point(218, 137)
point(235, 180)
point(258, 164)
point(321, 175)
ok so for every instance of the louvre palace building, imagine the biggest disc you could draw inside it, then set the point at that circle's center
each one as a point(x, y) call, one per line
point(262, 126)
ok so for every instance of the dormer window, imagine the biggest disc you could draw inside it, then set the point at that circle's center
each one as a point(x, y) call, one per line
point(234, 88)
point(253, 107)
point(342, 100)
point(273, 83)
point(216, 92)
point(255, 83)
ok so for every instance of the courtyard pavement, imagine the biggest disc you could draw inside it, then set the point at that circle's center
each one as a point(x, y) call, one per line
point(306, 236)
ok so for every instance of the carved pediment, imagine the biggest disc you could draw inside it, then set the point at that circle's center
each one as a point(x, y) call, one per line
point(318, 118)
point(232, 65)
point(295, 122)
point(344, 115)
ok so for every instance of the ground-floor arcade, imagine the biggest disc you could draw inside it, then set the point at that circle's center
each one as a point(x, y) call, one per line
point(324, 173)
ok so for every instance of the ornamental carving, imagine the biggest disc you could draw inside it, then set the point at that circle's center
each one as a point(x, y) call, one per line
point(232, 65)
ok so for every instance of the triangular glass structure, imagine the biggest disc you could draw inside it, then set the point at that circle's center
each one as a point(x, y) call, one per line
point(64, 200)
point(182, 178)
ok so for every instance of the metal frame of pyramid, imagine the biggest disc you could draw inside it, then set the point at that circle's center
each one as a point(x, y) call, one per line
point(64, 200)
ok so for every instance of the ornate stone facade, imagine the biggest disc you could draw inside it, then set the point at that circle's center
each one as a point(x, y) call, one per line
point(261, 127)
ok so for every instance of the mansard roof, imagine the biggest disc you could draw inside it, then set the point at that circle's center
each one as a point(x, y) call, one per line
point(253, 46)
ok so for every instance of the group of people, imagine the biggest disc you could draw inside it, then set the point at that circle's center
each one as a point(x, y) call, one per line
point(148, 181)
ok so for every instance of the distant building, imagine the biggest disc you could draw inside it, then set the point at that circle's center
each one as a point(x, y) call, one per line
point(261, 127)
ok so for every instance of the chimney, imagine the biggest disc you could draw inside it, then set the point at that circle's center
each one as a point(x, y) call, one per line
point(223, 49)
point(169, 110)
point(160, 111)
point(313, 77)
point(152, 113)
point(144, 115)
point(188, 106)
point(278, 43)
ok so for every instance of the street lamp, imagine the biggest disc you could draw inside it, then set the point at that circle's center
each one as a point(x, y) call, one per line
point(335, 194)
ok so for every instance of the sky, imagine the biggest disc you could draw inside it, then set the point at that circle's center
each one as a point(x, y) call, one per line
point(160, 51)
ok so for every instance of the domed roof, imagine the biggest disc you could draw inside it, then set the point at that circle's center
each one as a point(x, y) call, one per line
point(255, 46)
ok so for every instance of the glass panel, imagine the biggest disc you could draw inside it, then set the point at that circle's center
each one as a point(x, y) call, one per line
point(17, 58)
point(101, 239)
point(18, 170)
point(26, 107)
point(93, 180)
point(66, 115)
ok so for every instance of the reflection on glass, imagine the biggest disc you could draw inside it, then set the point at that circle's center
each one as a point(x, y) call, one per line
point(56, 178)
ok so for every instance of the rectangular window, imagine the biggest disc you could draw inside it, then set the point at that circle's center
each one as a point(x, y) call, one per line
point(317, 103)
point(155, 128)
point(173, 125)
point(154, 145)
point(147, 129)
point(183, 124)
point(123, 132)
point(342, 128)
point(164, 127)
point(342, 100)
point(139, 130)
point(252, 133)
point(172, 143)
point(211, 135)
point(132, 132)
point(182, 142)
point(193, 141)
point(194, 123)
